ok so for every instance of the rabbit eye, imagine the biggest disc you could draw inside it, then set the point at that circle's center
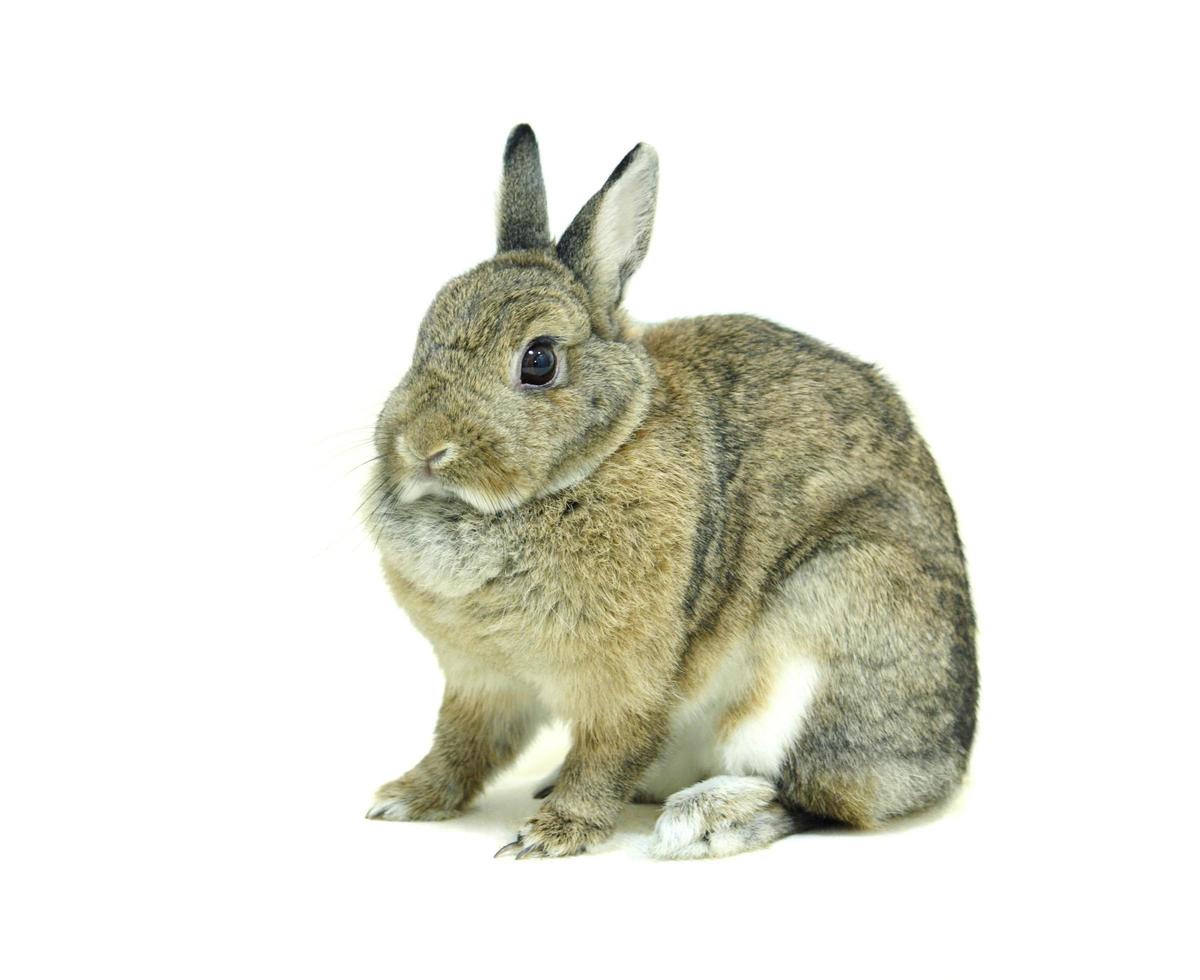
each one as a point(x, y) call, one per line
point(538, 364)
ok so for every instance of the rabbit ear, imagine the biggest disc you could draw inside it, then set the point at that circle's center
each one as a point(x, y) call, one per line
point(521, 220)
point(609, 237)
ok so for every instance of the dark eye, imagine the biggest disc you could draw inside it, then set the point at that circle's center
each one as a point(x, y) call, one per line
point(538, 363)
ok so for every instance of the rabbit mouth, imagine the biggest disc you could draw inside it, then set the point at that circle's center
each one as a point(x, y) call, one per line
point(476, 475)
point(421, 484)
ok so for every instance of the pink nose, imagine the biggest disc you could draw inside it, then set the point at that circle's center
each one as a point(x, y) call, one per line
point(433, 460)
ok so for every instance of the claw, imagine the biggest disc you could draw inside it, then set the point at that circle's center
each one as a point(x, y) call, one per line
point(509, 848)
point(388, 810)
point(542, 793)
point(533, 850)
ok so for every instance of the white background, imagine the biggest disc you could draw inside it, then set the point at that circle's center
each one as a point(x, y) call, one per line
point(220, 226)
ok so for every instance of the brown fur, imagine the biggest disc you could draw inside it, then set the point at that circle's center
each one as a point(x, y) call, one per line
point(599, 549)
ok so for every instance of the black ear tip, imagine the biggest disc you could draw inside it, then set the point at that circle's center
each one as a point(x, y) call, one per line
point(641, 150)
point(521, 135)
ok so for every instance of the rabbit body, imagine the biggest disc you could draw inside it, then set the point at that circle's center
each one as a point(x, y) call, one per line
point(717, 547)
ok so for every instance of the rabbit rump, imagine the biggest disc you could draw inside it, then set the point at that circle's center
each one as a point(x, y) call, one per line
point(716, 547)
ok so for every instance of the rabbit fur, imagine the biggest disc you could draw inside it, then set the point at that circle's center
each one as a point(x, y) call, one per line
point(716, 547)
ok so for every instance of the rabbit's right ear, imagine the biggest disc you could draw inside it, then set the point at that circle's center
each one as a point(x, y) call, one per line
point(608, 239)
point(521, 220)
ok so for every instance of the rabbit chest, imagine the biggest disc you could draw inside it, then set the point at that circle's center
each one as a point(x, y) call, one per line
point(580, 588)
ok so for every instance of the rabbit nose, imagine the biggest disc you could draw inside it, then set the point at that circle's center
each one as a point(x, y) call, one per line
point(428, 453)
point(433, 460)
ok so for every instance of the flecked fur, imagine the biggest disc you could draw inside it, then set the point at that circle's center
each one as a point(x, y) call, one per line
point(689, 508)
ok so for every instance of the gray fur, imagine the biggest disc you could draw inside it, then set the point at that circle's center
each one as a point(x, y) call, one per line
point(522, 220)
point(690, 514)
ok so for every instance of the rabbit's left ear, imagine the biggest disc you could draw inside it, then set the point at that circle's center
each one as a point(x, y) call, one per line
point(521, 220)
point(608, 239)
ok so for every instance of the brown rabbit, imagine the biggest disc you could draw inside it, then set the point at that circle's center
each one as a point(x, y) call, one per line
point(716, 547)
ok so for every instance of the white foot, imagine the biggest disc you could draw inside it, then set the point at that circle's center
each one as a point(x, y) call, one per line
point(718, 817)
point(388, 810)
point(398, 800)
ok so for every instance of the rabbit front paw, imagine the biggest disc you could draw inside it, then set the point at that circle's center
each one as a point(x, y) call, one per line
point(412, 798)
point(554, 832)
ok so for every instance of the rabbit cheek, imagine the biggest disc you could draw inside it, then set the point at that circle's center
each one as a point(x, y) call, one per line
point(489, 481)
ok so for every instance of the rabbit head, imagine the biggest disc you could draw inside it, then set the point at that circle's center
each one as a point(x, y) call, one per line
point(523, 379)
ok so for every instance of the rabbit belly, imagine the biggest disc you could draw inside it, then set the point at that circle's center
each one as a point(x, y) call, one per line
point(756, 741)
point(744, 723)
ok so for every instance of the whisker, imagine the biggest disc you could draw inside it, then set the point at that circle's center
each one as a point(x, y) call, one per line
point(373, 523)
point(373, 488)
point(354, 447)
point(359, 466)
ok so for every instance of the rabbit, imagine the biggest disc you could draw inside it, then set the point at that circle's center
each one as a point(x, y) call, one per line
point(717, 548)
